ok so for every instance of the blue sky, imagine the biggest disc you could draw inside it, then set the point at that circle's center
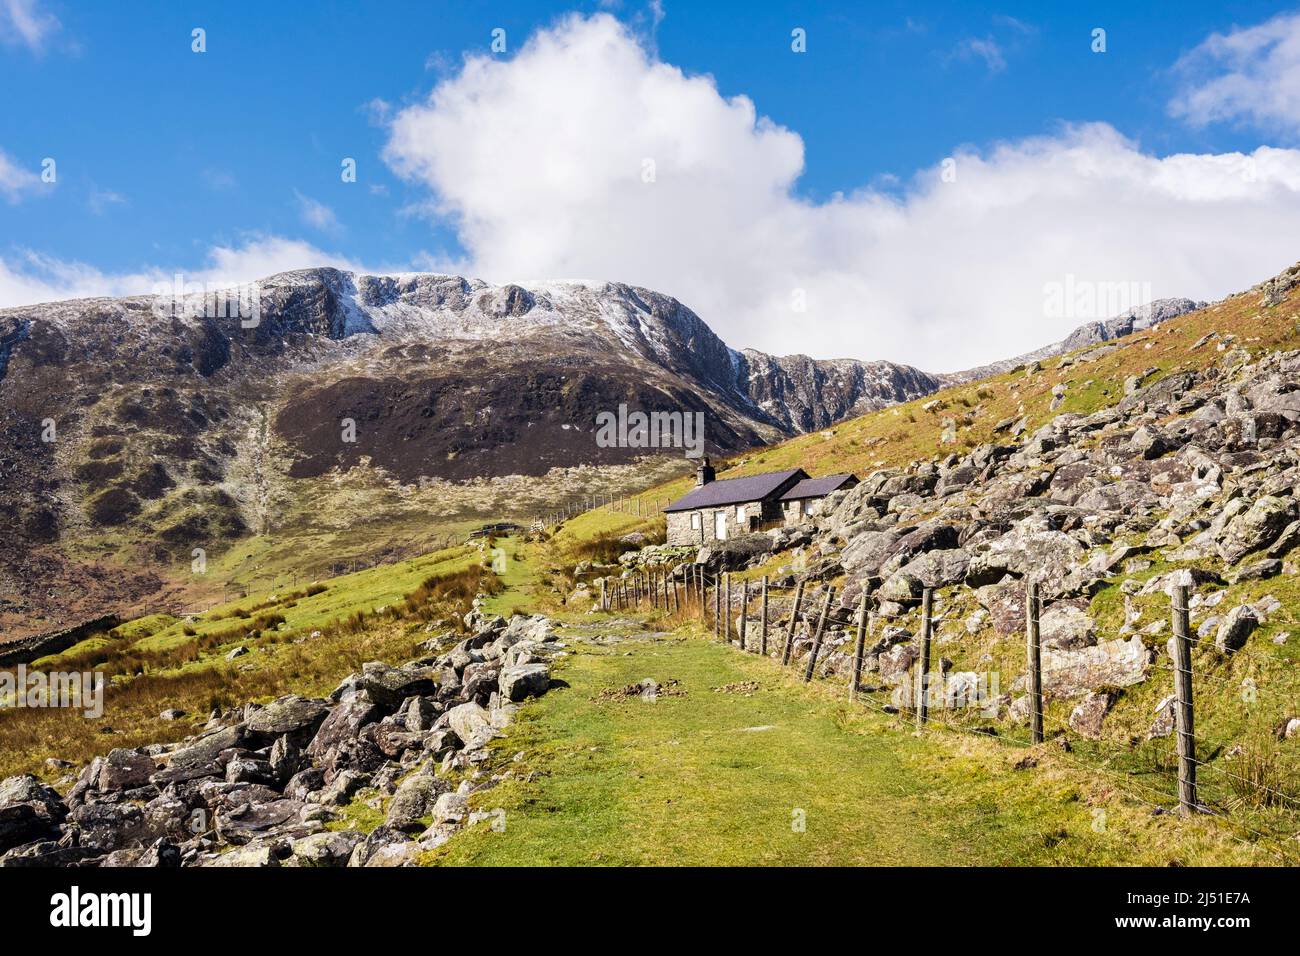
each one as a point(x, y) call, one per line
point(164, 154)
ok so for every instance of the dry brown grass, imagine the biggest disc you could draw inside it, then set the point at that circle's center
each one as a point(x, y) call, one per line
point(189, 678)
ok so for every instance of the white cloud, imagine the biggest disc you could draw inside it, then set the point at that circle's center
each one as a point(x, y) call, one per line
point(540, 161)
point(101, 199)
point(316, 214)
point(22, 22)
point(30, 277)
point(983, 48)
point(16, 183)
point(1249, 74)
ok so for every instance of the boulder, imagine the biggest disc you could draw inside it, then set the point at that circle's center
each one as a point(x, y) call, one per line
point(324, 849)
point(450, 807)
point(1259, 525)
point(124, 770)
point(389, 686)
point(297, 718)
point(1065, 625)
point(471, 724)
point(1087, 716)
point(201, 757)
point(1075, 671)
point(107, 826)
point(528, 680)
point(1237, 625)
point(414, 799)
point(29, 811)
point(901, 588)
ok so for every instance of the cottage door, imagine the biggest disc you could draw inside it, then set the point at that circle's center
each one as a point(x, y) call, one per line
point(720, 525)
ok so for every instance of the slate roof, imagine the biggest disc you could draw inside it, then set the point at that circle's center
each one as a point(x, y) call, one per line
point(734, 491)
point(816, 487)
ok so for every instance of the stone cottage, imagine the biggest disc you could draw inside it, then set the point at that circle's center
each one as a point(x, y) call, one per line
point(716, 510)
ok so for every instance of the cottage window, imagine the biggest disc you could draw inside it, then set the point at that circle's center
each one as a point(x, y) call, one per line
point(740, 512)
point(695, 521)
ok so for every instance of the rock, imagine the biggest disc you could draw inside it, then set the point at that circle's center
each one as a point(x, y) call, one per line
point(382, 846)
point(1238, 624)
point(260, 854)
point(471, 724)
point(450, 808)
point(29, 811)
point(285, 758)
point(389, 686)
point(1269, 567)
point(1066, 626)
point(414, 799)
point(1163, 725)
point(344, 722)
point(324, 849)
point(297, 718)
point(1088, 714)
point(171, 713)
point(1117, 663)
point(243, 823)
point(519, 683)
point(305, 782)
point(201, 757)
point(249, 769)
point(46, 853)
point(1148, 442)
point(1287, 540)
point(103, 827)
point(419, 714)
point(901, 588)
point(341, 789)
point(239, 651)
point(124, 770)
point(1259, 525)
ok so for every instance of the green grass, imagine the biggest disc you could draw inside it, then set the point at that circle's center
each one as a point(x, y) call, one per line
point(720, 778)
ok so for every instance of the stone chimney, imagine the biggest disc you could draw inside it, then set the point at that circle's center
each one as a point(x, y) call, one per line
point(704, 473)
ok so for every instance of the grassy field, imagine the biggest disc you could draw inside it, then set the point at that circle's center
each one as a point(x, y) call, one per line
point(296, 642)
point(750, 766)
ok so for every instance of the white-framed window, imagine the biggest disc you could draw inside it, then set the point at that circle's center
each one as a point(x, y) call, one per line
point(695, 521)
point(740, 512)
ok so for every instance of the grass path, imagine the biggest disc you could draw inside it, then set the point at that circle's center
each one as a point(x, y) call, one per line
point(776, 772)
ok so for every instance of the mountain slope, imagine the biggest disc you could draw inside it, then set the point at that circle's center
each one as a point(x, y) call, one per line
point(327, 400)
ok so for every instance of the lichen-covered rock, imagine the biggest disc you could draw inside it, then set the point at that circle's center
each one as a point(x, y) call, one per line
point(524, 681)
point(1236, 626)
point(1075, 671)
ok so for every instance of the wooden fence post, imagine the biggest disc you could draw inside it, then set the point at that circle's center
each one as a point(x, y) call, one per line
point(603, 597)
point(1183, 715)
point(726, 619)
point(1034, 653)
point(744, 613)
point(762, 630)
point(923, 668)
point(789, 631)
point(817, 637)
point(856, 679)
point(717, 607)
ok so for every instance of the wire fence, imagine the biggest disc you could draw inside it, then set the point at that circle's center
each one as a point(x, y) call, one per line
point(797, 622)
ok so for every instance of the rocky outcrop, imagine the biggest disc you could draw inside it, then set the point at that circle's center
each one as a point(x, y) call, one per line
point(258, 786)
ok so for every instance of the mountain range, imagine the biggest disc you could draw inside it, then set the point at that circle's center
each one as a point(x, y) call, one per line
point(131, 435)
